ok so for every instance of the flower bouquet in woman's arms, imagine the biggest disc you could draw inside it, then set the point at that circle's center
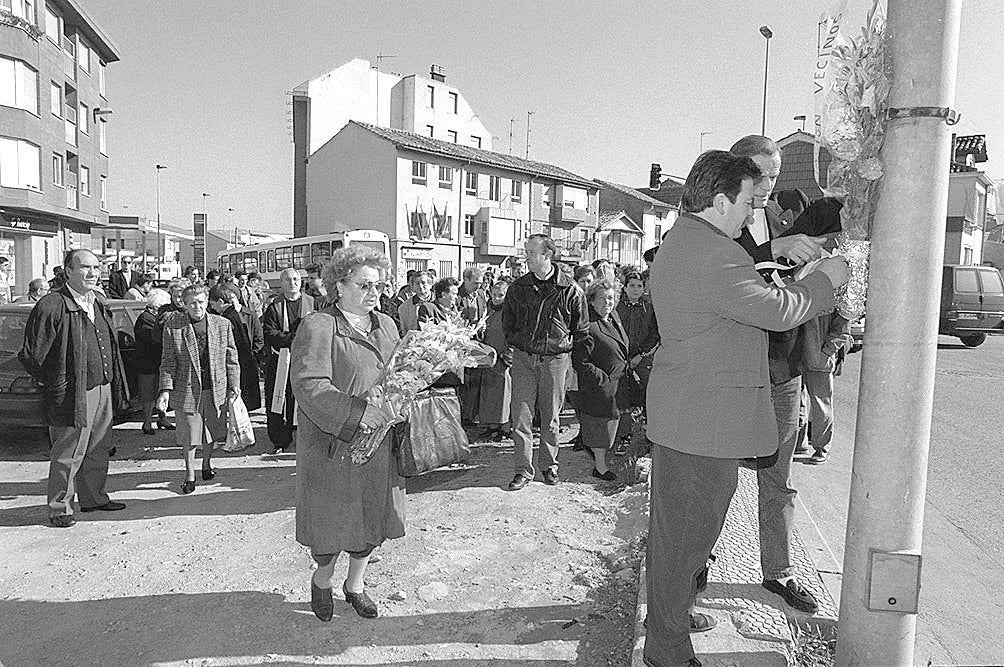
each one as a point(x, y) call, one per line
point(421, 358)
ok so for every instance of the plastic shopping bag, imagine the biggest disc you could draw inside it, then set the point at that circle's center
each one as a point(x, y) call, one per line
point(432, 436)
point(240, 433)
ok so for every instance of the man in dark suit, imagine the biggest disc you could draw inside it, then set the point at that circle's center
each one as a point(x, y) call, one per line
point(224, 300)
point(119, 281)
point(70, 347)
point(709, 397)
point(765, 239)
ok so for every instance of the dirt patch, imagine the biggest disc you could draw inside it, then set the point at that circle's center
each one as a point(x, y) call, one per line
point(546, 575)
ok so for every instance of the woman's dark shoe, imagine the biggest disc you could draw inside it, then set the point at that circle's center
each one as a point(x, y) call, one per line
point(607, 476)
point(361, 602)
point(208, 474)
point(321, 602)
point(165, 426)
point(149, 430)
point(188, 486)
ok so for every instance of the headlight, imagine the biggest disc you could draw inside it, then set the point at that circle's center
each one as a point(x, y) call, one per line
point(25, 385)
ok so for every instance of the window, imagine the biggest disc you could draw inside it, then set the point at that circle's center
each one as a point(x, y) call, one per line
point(53, 29)
point(84, 123)
point(471, 184)
point(56, 99)
point(103, 183)
point(991, 280)
point(101, 78)
point(468, 225)
point(23, 9)
point(18, 85)
point(84, 57)
point(57, 169)
point(283, 258)
point(300, 255)
point(545, 195)
point(446, 268)
point(430, 97)
point(452, 136)
point(495, 188)
point(102, 142)
point(320, 253)
point(575, 198)
point(18, 164)
point(418, 170)
point(453, 103)
point(428, 130)
point(416, 264)
point(270, 261)
point(446, 177)
point(261, 260)
point(475, 141)
point(517, 190)
point(658, 233)
point(85, 181)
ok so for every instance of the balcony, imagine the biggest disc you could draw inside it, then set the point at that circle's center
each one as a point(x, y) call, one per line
point(70, 131)
point(71, 197)
point(567, 214)
point(497, 231)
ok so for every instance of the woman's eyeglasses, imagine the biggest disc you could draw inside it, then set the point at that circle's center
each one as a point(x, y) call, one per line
point(371, 286)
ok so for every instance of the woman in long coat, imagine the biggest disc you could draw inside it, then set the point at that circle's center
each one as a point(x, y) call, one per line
point(599, 362)
point(496, 382)
point(336, 357)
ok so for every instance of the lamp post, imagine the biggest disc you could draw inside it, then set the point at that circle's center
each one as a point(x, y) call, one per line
point(767, 33)
point(205, 225)
point(160, 239)
point(702, 140)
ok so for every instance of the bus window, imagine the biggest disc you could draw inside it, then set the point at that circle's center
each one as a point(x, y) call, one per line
point(261, 261)
point(270, 261)
point(300, 256)
point(320, 252)
point(379, 246)
point(283, 258)
point(335, 245)
point(250, 261)
point(224, 263)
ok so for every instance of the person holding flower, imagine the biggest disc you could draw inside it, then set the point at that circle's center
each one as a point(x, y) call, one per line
point(335, 359)
point(599, 361)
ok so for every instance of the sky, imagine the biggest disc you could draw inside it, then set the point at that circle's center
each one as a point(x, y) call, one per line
point(613, 86)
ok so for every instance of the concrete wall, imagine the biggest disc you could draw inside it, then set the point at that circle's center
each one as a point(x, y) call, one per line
point(416, 114)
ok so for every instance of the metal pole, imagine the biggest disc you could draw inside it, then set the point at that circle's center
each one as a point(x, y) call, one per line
point(528, 114)
point(160, 238)
point(766, 62)
point(889, 478)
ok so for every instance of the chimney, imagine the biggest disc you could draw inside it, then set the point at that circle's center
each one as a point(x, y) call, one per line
point(437, 73)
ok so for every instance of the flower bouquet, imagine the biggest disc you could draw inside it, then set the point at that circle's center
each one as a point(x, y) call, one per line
point(851, 126)
point(420, 358)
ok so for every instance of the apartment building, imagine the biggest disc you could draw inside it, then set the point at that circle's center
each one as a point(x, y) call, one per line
point(53, 132)
point(356, 91)
point(446, 205)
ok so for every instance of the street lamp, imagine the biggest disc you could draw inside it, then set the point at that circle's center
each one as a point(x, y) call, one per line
point(702, 140)
point(160, 239)
point(767, 33)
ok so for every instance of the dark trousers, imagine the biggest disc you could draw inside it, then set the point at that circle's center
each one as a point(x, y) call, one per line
point(775, 495)
point(690, 496)
point(78, 457)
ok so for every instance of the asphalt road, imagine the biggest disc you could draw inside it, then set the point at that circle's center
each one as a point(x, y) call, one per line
point(961, 621)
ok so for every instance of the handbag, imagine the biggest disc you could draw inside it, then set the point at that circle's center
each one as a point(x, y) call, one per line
point(240, 433)
point(432, 436)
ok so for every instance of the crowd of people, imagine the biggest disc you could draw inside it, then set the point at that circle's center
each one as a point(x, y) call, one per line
point(724, 349)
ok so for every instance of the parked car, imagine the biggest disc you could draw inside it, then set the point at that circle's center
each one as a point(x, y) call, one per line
point(972, 303)
point(20, 395)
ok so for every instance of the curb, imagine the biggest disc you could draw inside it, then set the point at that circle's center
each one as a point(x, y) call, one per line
point(754, 625)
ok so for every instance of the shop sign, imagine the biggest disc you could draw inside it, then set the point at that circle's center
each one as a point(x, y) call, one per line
point(28, 225)
point(416, 253)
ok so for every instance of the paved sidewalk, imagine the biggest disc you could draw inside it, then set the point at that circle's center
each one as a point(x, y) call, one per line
point(754, 626)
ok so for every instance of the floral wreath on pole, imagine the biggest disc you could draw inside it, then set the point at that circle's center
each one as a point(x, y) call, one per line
point(851, 124)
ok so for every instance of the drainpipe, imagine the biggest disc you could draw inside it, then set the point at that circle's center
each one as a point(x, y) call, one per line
point(881, 581)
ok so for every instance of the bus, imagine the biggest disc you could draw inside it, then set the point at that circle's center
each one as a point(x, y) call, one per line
point(271, 259)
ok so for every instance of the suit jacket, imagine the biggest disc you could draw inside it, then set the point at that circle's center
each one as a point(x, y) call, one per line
point(248, 338)
point(599, 362)
point(709, 391)
point(118, 285)
point(181, 371)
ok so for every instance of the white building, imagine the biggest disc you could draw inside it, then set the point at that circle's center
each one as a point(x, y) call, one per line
point(446, 206)
point(355, 91)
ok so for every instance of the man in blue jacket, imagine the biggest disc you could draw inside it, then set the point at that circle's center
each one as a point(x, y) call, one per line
point(543, 316)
